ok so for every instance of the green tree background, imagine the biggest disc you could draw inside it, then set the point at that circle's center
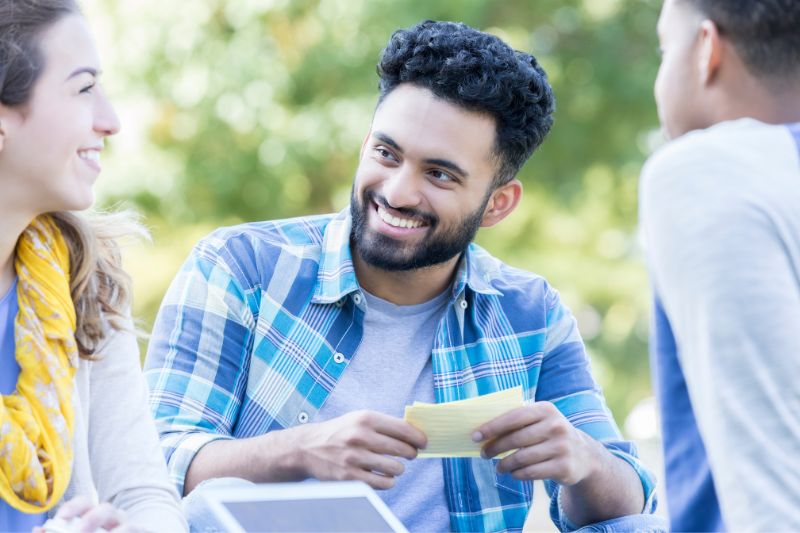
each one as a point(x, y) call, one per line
point(239, 110)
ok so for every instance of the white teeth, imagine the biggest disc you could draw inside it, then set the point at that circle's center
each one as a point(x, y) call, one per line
point(91, 155)
point(396, 221)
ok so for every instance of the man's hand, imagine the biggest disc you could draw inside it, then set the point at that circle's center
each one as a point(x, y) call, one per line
point(357, 446)
point(596, 485)
point(548, 446)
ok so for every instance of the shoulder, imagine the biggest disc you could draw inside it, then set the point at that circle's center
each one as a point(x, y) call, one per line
point(300, 231)
point(723, 159)
point(520, 289)
point(119, 347)
point(117, 360)
point(243, 249)
point(717, 181)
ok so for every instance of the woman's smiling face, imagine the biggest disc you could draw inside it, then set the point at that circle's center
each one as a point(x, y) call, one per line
point(50, 146)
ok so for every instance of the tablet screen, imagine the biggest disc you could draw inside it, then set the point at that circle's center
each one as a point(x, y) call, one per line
point(311, 515)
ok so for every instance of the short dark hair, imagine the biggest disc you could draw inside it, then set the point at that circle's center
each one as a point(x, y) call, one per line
point(478, 72)
point(765, 33)
point(21, 62)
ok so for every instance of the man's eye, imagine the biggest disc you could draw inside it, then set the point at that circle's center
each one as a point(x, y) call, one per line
point(87, 89)
point(442, 176)
point(384, 153)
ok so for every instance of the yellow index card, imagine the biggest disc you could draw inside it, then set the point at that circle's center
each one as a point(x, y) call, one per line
point(449, 426)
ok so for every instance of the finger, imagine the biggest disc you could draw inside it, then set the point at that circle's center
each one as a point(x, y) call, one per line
point(381, 464)
point(374, 480)
point(364, 436)
point(513, 420)
point(549, 469)
point(528, 456)
point(386, 445)
point(528, 436)
point(400, 430)
point(361, 459)
point(75, 507)
point(357, 463)
point(104, 515)
point(361, 470)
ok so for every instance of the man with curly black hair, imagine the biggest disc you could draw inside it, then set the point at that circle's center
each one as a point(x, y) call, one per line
point(288, 350)
point(720, 209)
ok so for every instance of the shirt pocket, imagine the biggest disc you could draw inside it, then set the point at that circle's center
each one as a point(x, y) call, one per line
point(508, 486)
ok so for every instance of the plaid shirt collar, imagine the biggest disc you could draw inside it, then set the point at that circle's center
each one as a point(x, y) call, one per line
point(336, 277)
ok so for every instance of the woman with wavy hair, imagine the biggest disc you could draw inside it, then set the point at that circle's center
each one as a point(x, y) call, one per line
point(74, 423)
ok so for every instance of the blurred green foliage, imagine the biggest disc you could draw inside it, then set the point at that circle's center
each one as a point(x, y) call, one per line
point(255, 109)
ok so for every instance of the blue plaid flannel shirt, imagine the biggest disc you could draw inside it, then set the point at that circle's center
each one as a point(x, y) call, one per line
point(245, 340)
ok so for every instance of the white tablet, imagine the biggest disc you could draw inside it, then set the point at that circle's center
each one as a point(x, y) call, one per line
point(332, 506)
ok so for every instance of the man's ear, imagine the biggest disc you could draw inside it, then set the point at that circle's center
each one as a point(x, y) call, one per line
point(710, 56)
point(503, 201)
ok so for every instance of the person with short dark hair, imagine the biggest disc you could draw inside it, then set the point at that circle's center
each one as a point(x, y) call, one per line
point(720, 212)
point(288, 350)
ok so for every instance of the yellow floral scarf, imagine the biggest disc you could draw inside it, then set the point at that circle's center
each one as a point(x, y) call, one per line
point(36, 422)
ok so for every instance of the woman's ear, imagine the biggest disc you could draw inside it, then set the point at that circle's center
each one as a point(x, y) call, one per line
point(503, 201)
point(10, 117)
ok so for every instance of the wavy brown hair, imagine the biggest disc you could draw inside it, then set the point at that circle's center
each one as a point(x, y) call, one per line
point(101, 290)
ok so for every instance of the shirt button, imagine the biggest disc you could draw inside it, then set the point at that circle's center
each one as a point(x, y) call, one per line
point(338, 357)
point(339, 303)
point(357, 298)
point(302, 417)
point(463, 304)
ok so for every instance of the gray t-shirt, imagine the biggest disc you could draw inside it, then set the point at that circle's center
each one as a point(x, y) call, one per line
point(391, 369)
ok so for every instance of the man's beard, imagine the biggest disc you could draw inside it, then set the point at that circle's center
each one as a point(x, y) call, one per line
point(386, 253)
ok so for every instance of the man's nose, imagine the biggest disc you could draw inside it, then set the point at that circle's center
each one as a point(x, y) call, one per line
point(403, 188)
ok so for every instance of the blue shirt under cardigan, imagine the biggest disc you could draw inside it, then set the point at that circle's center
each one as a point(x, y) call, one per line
point(10, 518)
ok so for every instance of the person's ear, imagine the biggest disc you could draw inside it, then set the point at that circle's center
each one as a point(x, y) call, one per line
point(503, 201)
point(2, 130)
point(710, 56)
point(8, 117)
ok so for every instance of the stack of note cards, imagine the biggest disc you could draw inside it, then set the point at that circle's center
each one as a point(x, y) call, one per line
point(449, 426)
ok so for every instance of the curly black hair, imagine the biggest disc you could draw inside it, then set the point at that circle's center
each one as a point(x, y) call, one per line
point(478, 72)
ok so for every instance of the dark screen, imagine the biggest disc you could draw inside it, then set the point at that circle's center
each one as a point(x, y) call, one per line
point(330, 514)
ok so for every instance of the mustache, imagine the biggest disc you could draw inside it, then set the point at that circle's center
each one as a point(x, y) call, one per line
point(429, 218)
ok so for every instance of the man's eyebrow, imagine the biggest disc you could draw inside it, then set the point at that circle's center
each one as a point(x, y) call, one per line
point(388, 140)
point(84, 70)
point(446, 163)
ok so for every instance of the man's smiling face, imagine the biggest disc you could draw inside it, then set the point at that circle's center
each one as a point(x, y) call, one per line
point(423, 181)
